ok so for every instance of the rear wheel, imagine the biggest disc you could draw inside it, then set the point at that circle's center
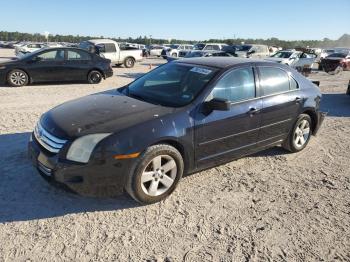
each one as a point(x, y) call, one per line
point(17, 78)
point(300, 135)
point(156, 174)
point(94, 77)
point(129, 62)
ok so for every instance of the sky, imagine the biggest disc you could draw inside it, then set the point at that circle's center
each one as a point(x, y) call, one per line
point(180, 19)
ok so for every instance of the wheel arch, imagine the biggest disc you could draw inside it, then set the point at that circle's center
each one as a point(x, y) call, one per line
point(97, 69)
point(133, 58)
point(179, 147)
point(313, 115)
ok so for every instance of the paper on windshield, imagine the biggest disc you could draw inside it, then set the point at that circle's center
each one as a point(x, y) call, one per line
point(202, 71)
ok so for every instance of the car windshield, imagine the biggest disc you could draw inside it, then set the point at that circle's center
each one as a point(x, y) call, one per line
point(172, 85)
point(194, 54)
point(282, 54)
point(199, 46)
point(24, 56)
point(342, 55)
point(174, 46)
point(243, 48)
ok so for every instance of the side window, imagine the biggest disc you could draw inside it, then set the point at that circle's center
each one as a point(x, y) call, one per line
point(101, 48)
point(78, 55)
point(293, 84)
point(55, 55)
point(110, 48)
point(236, 85)
point(273, 80)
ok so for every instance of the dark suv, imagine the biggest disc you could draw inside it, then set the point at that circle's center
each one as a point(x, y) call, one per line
point(180, 118)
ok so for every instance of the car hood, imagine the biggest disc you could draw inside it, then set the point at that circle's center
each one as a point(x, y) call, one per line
point(107, 112)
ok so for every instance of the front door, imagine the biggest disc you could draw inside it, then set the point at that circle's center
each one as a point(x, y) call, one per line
point(48, 66)
point(223, 135)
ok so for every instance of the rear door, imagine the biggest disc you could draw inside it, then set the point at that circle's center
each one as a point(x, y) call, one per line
point(281, 102)
point(223, 135)
point(77, 65)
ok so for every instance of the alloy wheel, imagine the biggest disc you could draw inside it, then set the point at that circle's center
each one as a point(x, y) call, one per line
point(302, 133)
point(18, 78)
point(159, 175)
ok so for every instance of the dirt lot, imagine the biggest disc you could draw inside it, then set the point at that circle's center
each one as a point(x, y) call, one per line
point(272, 206)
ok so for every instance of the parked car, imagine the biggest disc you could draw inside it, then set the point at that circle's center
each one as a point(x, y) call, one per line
point(176, 50)
point(294, 59)
point(253, 50)
point(55, 64)
point(156, 50)
point(201, 53)
point(326, 52)
point(199, 46)
point(27, 48)
point(110, 49)
point(336, 62)
point(180, 118)
point(213, 47)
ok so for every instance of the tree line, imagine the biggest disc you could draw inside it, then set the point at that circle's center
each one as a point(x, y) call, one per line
point(343, 41)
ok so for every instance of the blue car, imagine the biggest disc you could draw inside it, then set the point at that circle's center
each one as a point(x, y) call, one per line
point(180, 118)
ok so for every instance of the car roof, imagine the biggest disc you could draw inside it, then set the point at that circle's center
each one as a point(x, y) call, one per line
point(221, 62)
point(96, 41)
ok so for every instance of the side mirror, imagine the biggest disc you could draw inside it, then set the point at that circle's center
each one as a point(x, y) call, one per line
point(37, 59)
point(218, 104)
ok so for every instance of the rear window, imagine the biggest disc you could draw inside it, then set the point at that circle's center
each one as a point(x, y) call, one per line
point(273, 80)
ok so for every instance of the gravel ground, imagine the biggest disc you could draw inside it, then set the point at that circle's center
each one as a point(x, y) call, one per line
point(272, 206)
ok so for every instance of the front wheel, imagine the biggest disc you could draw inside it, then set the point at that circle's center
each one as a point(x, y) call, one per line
point(17, 78)
point(94, 77)
point(156, 174)
point(300, 135)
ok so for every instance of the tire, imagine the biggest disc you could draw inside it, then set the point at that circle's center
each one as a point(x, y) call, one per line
point(300, 135)
point(129, 62)
point(94, 77)
point(17, 78)
point(145, 182)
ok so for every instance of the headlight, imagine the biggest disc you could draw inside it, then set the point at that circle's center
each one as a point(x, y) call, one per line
point(81, 149)
point(2, 67)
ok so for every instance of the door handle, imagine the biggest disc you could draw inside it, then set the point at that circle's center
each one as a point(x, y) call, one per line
point(252, 111)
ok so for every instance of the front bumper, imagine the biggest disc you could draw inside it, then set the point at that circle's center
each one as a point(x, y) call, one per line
point(320, 117)
point(98, 178)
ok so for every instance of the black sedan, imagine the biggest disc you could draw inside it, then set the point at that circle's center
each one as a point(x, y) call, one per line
point(55, 64)
point(180, 118)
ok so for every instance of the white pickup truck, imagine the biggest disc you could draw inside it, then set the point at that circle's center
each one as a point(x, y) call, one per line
point(110, 49)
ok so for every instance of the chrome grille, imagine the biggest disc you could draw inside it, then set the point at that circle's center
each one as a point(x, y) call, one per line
point(48, 141)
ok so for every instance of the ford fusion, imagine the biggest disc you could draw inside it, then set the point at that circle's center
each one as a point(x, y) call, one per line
point(55, 64)
point(180, 118)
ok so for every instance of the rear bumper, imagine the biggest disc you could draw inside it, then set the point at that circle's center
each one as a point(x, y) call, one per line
point(98, 178)
point(108, 73)
point(320, 118)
